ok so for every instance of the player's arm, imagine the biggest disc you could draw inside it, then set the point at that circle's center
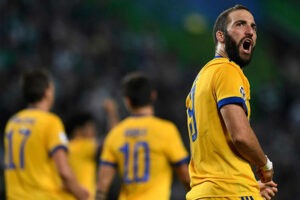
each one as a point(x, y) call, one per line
point(105, 177)
point(245, 140)
point(110, 107)
point(67, 176)
point(182, 173)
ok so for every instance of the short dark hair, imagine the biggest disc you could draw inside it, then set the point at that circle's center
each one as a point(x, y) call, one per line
point(137, 87)
point(34, 84)
point(77, 120)
point(222, 20)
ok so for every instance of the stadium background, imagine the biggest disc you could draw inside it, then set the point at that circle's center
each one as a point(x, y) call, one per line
point(89, 45)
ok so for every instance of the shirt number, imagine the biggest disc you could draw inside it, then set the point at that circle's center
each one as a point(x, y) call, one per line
point(134, 170)
point(9, 153)
point(192, 126)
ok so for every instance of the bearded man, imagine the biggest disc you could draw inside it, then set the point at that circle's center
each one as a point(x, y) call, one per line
point(224, 148)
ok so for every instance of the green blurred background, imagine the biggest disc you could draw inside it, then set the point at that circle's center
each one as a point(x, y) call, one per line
point(89, 45)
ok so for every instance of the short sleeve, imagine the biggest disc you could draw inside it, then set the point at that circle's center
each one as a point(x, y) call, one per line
point(229, 87)
point(175, 149)
point(107, 156)
point(56, 136)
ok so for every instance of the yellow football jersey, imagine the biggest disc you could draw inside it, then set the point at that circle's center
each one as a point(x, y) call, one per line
point(82, 158)
point(215, 168)
point(31, 136)
point(144, 148)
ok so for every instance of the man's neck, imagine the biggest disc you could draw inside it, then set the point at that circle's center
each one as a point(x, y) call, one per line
point(221, 54)
point(220, 51)
point(145, 110)
point(41, 105)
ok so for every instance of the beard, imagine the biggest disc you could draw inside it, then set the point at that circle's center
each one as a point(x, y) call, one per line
point(232, 50)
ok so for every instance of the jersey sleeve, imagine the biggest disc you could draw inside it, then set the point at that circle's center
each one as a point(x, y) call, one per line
point(175, 149)
point(229, 87)
point(56, 137)
point(107, 155)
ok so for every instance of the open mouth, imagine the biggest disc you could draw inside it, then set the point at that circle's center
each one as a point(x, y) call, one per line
point(247, 45)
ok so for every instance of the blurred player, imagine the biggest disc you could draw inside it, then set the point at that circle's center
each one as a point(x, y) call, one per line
point(36, 165)
point(82, 150)
point(223, 145)
point(84, 145)
point(142, 148)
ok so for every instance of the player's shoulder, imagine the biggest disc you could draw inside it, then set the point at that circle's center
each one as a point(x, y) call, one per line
point(151, 121)
point(33, 116)
point(230, 66)
point(52, 115)
point(217, 66)
point(26, 115)
point(225, 61)
point(118, 128)
point(49, 117)
point(220, 64)
point(164, 128)
point(226, 68)
point(162, 122)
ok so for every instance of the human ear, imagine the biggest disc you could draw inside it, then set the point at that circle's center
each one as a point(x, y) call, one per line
point(220, 36)
point(153, 95)
point(127, 103)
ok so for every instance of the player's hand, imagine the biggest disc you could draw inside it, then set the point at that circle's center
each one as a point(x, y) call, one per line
point(265, 176)
point(82, 193)
point(109, 105)
point(268, 189)
point(111, 110)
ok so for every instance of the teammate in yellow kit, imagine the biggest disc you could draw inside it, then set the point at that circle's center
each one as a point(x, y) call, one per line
point(143, 148)
point(36, 165)
point(223, 144)
point(82, 150)
point(84, 145)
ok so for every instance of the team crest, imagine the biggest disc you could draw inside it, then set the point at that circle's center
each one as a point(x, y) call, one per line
point(242, 91)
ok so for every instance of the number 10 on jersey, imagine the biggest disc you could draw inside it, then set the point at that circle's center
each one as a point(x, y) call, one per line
point(136, 162)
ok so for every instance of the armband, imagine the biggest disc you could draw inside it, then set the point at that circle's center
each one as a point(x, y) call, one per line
point(268, 166)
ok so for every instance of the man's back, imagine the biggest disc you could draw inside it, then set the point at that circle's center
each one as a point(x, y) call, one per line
point(82, 159)
point(31, 136)
point(143, 148)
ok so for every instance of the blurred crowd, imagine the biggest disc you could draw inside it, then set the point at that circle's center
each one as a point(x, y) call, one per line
point(89, 46)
